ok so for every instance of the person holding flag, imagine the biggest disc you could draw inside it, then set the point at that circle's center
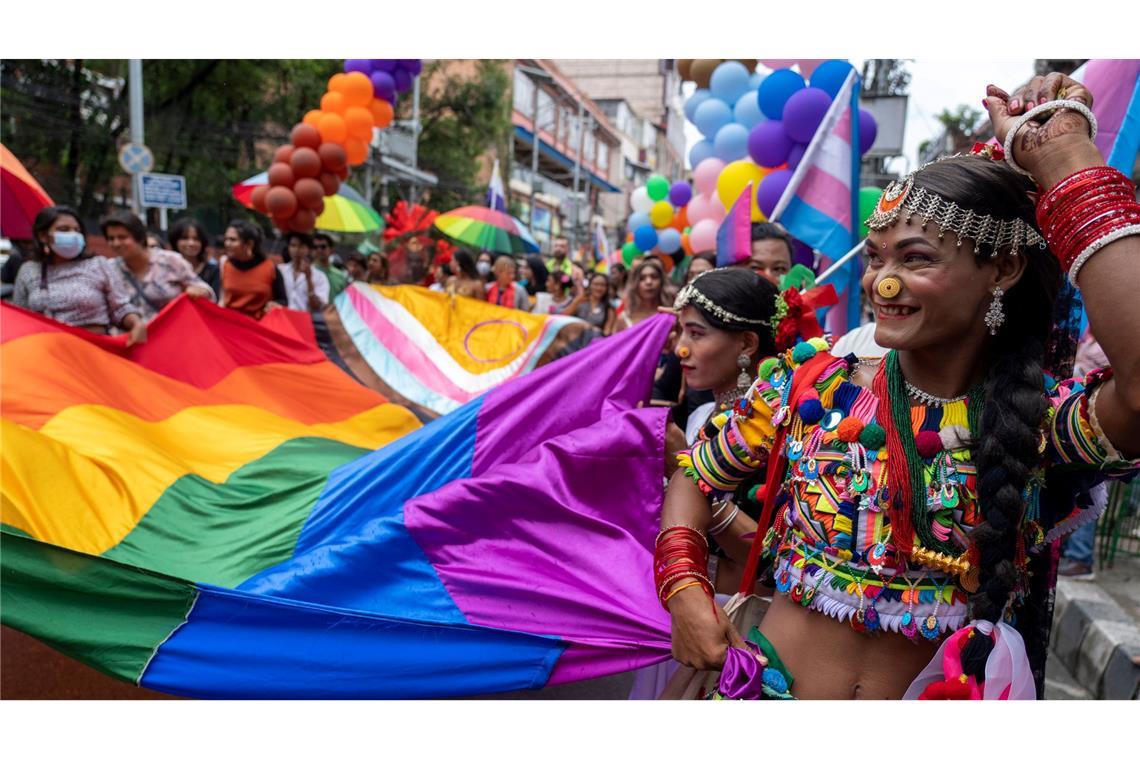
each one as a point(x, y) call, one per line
point(920, 498)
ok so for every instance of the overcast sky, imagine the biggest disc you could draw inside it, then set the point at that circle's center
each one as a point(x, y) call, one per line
point(936, 84)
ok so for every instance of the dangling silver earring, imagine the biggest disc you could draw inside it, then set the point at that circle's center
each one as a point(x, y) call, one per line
point(995, 316)
point(743, 380)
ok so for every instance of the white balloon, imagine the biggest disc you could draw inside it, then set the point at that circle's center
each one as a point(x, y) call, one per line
point(640, 200)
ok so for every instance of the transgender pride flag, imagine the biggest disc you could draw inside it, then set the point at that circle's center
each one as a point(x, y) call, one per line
point(821, 203)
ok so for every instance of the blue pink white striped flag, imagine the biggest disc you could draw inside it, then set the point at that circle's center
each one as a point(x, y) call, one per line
point(734, 236)
point(821, 203)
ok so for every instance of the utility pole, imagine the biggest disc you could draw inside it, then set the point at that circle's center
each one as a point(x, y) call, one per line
point(135, 96)
point(577, 173)
point(537, 76)
point(415, 136)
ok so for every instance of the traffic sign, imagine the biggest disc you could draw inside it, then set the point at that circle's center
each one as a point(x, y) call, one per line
point(135, 158)
point(162, 190)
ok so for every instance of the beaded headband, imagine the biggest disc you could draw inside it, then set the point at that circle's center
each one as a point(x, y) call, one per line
point(690, 294)
point(902, 198)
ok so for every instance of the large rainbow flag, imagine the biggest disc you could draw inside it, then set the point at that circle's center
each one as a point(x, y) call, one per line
point(434, 352)
point(221, 512)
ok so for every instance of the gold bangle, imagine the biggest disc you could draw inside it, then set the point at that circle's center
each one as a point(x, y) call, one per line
point(679, 589)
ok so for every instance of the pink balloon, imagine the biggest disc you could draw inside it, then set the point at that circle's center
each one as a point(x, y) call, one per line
point(809, 65)
point(704, 176)
point(703, 207)
point(702, 237)
point(778, 63)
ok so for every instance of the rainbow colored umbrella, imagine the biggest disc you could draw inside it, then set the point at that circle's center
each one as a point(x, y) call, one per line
point(21, 197)
point(485, 229)
point(346, 211)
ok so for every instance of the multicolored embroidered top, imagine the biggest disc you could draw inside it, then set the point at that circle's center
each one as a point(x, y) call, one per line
point(831, 542)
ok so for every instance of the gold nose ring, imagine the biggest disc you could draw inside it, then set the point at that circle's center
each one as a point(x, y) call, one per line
point(889, 287)
point(683, 352)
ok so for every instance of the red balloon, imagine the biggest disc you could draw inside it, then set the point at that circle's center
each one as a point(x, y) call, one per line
point(330, 183)
point(306, 136)
point(283, 154)
point(305, 163)
point(309, 192)
point(258, 198)
point(332, 156)
point(281, 224)
point(281, 175)
point(320, 208)
point(342, 173)
point(281, 202)
point(303, 221)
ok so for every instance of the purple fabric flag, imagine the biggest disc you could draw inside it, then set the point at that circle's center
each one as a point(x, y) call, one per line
point(1115, 85)
point(734, 237)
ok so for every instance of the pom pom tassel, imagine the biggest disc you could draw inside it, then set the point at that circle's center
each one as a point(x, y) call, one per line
point(1007, 673)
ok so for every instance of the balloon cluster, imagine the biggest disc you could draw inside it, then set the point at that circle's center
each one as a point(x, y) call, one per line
point(330, 139)
point(756, 129)
point(659, 222)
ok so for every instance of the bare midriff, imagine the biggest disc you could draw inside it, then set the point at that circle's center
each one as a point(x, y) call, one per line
point(830, 660)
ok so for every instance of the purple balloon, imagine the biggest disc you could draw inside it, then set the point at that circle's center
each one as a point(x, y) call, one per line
point(768, 143)
point(796, 155)
point(803, 113)
point(412, 65)
point(383, 86)
point(363, 65)
point(868, 129)
point(384, 64)
point(770, 190)
point(402, 79)
point(680, 194)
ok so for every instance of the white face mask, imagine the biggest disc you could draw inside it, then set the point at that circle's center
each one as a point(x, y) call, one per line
point(67, 245)
point(483, 267)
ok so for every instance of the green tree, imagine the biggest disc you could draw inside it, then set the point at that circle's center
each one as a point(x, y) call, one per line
point(462, 117)
point(214, 121)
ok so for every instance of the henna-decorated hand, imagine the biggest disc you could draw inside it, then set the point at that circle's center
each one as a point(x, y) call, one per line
point(1050, 146)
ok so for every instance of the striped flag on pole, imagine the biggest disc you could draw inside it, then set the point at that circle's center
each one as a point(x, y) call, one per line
point(496, 196)
point(734, 236)
point(820, 206)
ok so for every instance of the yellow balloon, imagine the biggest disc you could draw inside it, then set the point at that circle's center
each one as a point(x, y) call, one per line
point(661, 214)
point(734, 178)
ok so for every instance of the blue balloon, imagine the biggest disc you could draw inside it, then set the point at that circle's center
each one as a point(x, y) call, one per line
point(775, 90)
point(829, 76)
point(711, 116)
point(645, 238)
point(699, 152)
point(755, 80)
point(694, 101)
point(729, 81)
point(747, 110)
point(668, 240)
point(637, 220)
point(731, 143)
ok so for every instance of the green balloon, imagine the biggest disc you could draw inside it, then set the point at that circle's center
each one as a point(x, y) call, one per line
point(868, 199)
point(629, 252)
point(657, 187)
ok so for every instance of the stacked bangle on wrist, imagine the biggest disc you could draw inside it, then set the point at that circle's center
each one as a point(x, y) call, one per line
point(682, 554)
point(1085, 212)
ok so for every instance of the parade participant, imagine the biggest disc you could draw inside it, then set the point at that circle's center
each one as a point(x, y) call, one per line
point(918, 499)
point(533, 275)
point(559, 251)
point(306, 287)
point(251, 283)
point(190, 238)
point(505, 291)
point(592, 304)
point(466, 280)
point(68, 284)
point(357, 267)
point(483, 265)
point(322, 250)
point(155, 239)
point(645, 292)
point(771, 252)
point(151, 276)
point(699, 265)
point(377, 268)
point(558, 284)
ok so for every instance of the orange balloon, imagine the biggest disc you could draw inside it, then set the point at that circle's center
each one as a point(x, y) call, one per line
point(312, 117)
point(333, 102)
point(680, 219)
point(357, 89)
point(381, 112)
point(359, 122)
point(357, 151)
point(332, 128)
point(685, 244)
point(283, 154)
point(258, 198)
point(303, 220)
point(336, 82)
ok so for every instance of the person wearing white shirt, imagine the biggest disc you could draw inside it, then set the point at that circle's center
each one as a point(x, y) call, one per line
point(306, 286)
